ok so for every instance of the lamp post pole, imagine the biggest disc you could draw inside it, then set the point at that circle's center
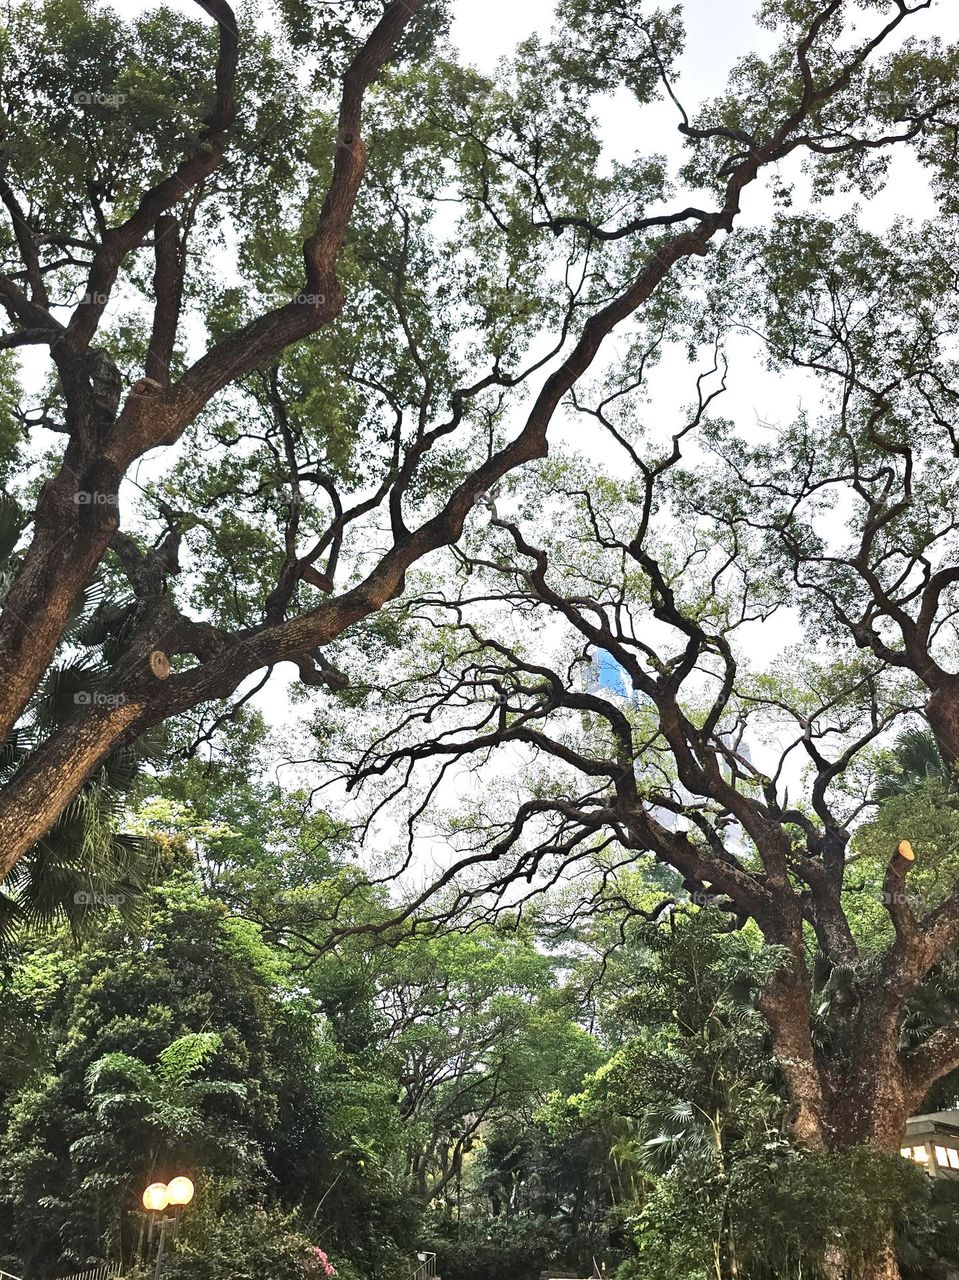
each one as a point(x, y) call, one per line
point(164, 1223)
point(157, 1198)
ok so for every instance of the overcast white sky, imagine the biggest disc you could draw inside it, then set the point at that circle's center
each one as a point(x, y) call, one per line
point(719, 32)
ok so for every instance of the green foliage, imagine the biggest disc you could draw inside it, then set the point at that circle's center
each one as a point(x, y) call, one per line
point(502, 1249)
point(437, 1093)
point(245, 1246)
point(918, 802)
point(86, 866)
point(780, 1214)
point(246, 1008)
point(162, 1057)
point(346, 1093)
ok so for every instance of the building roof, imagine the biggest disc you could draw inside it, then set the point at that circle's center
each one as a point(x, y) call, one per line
point(941, 1123)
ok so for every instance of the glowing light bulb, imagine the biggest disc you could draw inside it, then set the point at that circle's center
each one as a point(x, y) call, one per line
point(156, 1197)
point(180, 1191)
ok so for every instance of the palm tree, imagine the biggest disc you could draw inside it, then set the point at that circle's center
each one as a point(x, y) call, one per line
point(913, 761)
point(85, 865)
point(165, 1102)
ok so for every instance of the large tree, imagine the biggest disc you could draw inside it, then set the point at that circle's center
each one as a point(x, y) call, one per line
point(609, 625)
point(323, 398)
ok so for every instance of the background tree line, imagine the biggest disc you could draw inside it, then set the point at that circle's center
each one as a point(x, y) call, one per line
point(512, 1098)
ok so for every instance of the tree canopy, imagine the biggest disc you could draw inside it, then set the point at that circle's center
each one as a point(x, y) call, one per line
point(351, 363)
point(606, 902)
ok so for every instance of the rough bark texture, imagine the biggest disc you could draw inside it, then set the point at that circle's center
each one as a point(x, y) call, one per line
point(881, 1266)
point(833, 1108)
point(942, 710)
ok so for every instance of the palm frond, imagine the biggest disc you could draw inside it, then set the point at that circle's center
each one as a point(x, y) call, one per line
point(68, 684)
point(915, 759)
point(186, 1055)
point(120, 1067)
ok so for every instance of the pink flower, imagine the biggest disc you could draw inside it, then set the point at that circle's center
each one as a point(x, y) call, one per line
point(324, 1261)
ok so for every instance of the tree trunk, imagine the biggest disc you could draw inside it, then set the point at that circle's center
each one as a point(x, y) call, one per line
point(942, 711)
point(859, 1100)
point(870, 1110)
point(881, 1266)
point(785, 1005)
point(76, 517)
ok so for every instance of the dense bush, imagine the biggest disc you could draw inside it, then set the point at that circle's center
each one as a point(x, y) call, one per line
point(515, 1249)
point(244, 1246)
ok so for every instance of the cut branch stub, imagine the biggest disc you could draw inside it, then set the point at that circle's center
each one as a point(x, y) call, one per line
point(160, 664)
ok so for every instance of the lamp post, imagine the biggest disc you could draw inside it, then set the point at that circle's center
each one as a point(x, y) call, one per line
point(160, 1196)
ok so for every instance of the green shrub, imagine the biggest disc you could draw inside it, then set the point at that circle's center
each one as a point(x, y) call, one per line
point(516, 1249)
point(246, 1246)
